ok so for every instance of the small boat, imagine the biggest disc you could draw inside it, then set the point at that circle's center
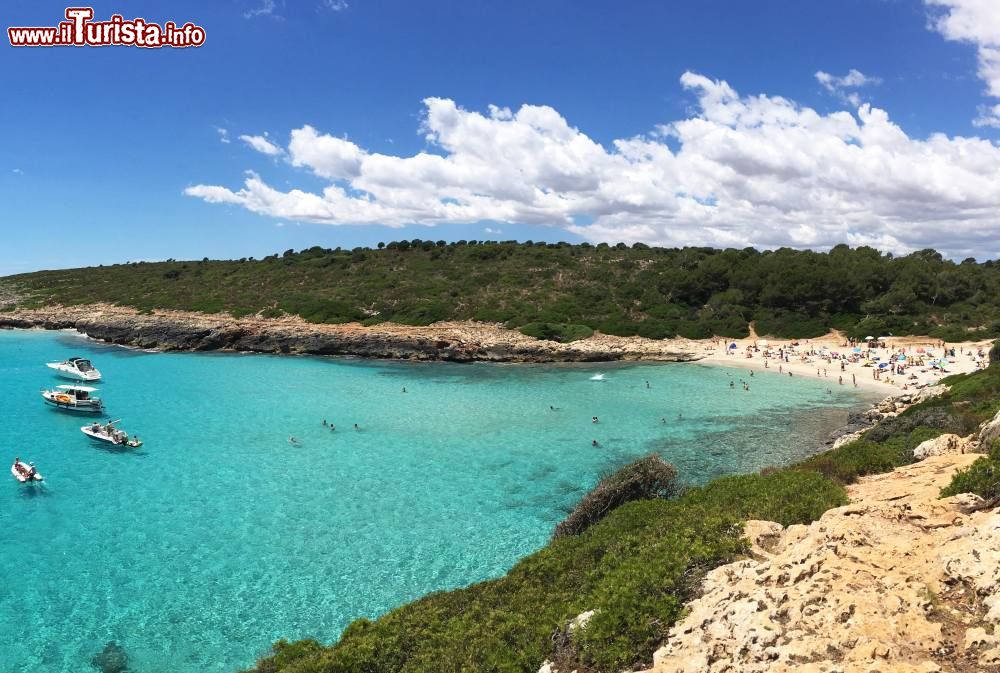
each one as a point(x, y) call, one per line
point(597, 377)
point(24, 472)
point(78, 369)
point(109, 433)
point(73, 398)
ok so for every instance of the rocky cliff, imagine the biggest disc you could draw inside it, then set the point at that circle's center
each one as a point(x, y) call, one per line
point(898, 580)
point(458, 342)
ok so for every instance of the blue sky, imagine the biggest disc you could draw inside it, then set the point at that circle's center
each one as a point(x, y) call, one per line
point(100, 144)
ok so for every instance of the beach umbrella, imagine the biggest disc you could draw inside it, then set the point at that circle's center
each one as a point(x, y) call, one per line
point(857, 349)
point(869, 338)
point(732, 346)
point(902, 358)
point(883, 365)
point(921, 350)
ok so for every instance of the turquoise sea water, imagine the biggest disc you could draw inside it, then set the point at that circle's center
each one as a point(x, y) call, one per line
point(218, 537)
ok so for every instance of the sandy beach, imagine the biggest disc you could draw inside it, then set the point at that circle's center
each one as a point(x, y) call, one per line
point(822, 358)
point(466, 341)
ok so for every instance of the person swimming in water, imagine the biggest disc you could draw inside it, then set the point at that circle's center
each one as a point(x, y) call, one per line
point(292, 440)
point(593, 442)
point(594, 420)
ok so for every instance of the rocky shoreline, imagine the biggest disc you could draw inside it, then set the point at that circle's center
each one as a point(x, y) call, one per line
point(860, 421)
point(454, 341)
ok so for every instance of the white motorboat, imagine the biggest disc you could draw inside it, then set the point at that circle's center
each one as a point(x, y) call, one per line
point(78, 369)
point(109, 433)
point(73, 398)
point(24, 472)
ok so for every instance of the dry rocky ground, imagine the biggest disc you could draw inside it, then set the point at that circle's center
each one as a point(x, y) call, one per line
point(898, 580)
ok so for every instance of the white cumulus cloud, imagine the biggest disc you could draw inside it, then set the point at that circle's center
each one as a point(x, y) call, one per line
point(845, 87)
point(741, 170)
point(976, 22)
point(325, 155)
point(262, 145)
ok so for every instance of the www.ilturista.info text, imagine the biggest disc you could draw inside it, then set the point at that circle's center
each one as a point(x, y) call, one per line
point(79, 30)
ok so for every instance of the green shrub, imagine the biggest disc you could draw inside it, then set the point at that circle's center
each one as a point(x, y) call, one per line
point(785, 496)
point(646, 478)
point(864, 456)
point(936, 417)
point(981, 478)
point(697, 292)
point(556, 331)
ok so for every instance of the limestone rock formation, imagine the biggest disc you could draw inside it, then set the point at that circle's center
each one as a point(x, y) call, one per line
point(898, 580)
point(940, 446)
point(989, 432)
point(455, 341)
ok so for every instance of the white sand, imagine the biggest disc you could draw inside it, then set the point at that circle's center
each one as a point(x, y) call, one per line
point(808, 358)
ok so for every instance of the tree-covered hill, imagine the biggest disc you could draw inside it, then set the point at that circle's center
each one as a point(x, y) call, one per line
point(653, 292)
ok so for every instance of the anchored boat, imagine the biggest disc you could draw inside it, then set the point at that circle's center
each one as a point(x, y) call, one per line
point(73, 398)
point(78, 369)
point(24, 472)
point(109, 433)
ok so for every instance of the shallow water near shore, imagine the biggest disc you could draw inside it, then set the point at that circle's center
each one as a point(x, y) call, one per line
point(218, 536)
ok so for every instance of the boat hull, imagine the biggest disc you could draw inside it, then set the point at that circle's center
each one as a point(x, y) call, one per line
point(74, 375)
point(74, 407)
point(20, 477)
point(101, 437)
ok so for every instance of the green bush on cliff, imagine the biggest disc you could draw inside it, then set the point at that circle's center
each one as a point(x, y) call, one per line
point(863, 456)
point(648, 478)
point(981, 478)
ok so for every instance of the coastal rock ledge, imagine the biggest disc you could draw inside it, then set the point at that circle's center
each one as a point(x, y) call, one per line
point(453, 341)
point(899, 580)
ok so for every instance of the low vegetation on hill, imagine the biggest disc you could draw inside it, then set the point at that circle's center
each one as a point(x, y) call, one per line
point(635, 565)
point(560, 291)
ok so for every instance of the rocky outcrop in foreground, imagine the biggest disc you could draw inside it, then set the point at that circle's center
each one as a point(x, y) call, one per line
point(457, 341)
point(898, 580)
